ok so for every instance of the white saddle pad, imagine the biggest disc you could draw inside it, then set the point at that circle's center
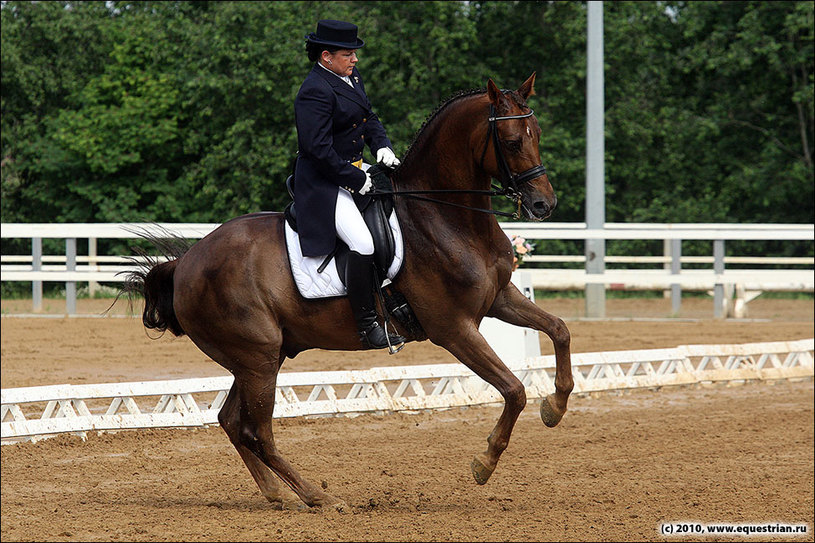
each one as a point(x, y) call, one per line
point(326, 284)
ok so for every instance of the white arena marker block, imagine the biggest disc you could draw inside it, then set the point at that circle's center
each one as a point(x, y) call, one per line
point(513, 344)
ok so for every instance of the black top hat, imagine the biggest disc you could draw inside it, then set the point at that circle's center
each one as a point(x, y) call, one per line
point(336, 34)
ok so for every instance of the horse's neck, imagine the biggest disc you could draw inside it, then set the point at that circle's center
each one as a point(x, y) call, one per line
point(444, 160)
point(443, 157)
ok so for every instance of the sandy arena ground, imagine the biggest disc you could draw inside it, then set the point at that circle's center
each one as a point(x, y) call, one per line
point(616, 468)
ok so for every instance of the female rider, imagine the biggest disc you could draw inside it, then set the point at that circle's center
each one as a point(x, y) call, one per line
point(334, 120)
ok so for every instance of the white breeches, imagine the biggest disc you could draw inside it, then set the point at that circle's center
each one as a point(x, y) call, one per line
point(351, 227)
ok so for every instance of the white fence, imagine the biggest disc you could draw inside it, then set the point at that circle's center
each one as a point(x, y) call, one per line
point(35, 412)
point(731, 288)
point(725, 283)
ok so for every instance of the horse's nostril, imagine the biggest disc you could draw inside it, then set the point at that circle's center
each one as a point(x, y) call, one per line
point(544, 206)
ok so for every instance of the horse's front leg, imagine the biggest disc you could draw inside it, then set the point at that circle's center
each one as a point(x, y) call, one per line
point(514, 308)
point(474, 352)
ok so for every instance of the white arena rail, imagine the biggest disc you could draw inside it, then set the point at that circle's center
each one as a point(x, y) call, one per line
point(732, 288)
point(34, 413)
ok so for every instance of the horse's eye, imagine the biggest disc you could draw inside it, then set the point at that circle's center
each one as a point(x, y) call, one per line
point(512, 145)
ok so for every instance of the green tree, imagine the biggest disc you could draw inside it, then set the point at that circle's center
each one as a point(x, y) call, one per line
point(183, 111)
point(748, 74)
point(238, 78)
point(49, 52)
point(417, 54)
point(548, 38)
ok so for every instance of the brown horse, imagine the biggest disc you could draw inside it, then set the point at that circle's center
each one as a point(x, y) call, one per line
point(233, 293)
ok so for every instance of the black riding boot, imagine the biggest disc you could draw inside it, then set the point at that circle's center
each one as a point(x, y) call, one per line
point(359, 280)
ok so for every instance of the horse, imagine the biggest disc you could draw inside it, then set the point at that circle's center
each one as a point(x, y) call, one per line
point(232, 292)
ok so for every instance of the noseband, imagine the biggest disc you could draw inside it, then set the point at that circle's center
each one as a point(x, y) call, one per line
point(509, 181)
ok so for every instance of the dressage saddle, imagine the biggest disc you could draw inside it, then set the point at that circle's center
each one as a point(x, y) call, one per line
point(375, 212)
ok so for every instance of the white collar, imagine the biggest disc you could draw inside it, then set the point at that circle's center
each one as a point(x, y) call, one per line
point(343, 77)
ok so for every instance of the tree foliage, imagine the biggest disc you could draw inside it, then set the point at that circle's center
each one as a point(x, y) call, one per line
point(183, 111)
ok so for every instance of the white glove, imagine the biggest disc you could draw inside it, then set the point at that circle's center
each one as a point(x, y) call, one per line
point(368, 184)
point(385, 156)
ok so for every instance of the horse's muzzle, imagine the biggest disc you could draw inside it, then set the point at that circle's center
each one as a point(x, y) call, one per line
point(538, 199)
point(539, 208)
point(543, 209)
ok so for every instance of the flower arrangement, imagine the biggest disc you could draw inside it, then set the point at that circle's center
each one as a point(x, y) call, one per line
point(520, 249)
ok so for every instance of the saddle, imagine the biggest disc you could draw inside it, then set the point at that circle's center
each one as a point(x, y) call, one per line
point(375, 212)
point(378, 213)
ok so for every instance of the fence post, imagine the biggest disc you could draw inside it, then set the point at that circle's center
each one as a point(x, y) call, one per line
point(70, 265)
point(36, 265)
point(666, 252)
point(595, 160)
point(718, 288)
point(676, 267)
point(92, 264)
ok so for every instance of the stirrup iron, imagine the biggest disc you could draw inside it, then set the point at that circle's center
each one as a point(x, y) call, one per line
point(391, 348)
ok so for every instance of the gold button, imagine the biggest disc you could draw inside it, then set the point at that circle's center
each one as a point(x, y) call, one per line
point(355, 125)
point(365, 120)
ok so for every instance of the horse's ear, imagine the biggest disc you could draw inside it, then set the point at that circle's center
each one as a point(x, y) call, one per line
point(494, 92)
point(528, 88)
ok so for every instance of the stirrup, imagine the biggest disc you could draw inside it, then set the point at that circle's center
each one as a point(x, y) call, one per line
point(394, 338)
point(392, 342)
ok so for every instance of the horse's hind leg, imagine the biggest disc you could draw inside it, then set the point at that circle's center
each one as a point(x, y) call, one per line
point(256, 394)
point(513, 307)
point(473, 351)
point(267, 481)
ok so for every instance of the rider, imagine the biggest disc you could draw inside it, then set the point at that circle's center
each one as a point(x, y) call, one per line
point(334, 120)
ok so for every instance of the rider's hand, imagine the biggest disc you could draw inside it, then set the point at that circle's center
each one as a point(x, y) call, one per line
point(368, 184)
point(385, 156)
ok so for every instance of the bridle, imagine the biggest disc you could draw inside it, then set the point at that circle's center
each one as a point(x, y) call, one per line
point(509, 181)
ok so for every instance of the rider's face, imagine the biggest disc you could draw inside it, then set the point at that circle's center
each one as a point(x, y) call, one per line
point(340, 62)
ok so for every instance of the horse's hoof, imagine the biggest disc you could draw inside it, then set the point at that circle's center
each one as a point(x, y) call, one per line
point(481, 473)
point(277, 505)
point(294, 506)
point(549, 415)
point(283, 500)
point(339, 506)
point(330, 503)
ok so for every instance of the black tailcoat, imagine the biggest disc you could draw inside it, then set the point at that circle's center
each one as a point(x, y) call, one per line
point(334, 121)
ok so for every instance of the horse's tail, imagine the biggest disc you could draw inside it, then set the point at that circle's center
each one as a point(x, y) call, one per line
point(154, 281)
point(158, 299)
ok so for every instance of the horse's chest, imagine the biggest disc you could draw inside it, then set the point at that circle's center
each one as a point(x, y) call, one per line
point(472, 270)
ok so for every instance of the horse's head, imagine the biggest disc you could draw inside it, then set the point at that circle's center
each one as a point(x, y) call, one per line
point(510, 152)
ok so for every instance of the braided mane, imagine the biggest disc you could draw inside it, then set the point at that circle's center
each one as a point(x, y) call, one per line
point(418, 136)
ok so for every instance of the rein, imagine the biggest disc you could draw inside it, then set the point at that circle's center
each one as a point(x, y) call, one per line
point(509, 181)
point(415, 195)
